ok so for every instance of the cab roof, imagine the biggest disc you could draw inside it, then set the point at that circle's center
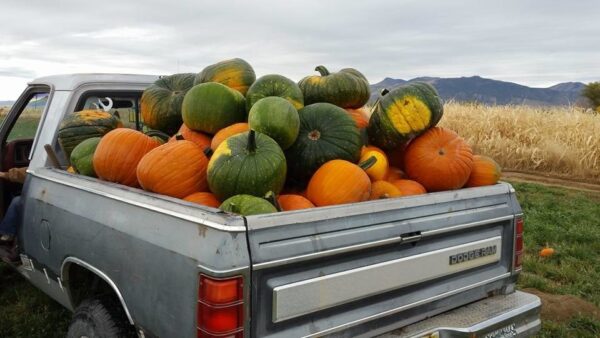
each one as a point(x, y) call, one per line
point(72, 81)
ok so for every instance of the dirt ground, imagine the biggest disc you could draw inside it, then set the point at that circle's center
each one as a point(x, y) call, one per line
point(550, 181)
point(562, 308)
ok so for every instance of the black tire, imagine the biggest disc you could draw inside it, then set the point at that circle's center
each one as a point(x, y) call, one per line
point(100, 318)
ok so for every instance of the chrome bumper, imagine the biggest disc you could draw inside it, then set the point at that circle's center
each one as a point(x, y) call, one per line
point(503, 316)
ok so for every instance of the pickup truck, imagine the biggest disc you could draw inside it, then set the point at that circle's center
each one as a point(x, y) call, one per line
point(130, 262)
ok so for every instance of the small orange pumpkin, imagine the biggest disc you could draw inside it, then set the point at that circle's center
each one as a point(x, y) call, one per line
point(377, 171)
point(175, 169)
point(202, 140)
point(339, 182)
point(203, 198)
point(439, 159)
point(409, 187)
point(393, 174)
point(360, 116)
point(224, 133)
point(546, 252)
point(118, 154)
point(485, 172)
point(383, 189)
point(294, 202)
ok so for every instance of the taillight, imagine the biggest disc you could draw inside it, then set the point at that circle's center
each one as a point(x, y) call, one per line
point(220, 310)
point(518, 243)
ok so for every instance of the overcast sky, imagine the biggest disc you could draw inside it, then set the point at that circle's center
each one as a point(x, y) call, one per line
point(536, 43)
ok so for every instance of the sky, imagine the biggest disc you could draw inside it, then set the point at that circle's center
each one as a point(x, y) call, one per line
point(531, 42)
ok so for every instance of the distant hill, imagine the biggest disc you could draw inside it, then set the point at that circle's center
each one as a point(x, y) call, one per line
point(6, 103)
point(488, 91)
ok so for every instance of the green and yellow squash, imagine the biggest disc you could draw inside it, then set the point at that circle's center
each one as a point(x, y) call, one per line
point(404, 113)
point(274, 85)
point(78, 126)
point(82, 156)
point(234, 73)
point(247, 205)
point(161, 102)
point(276, 117)
point(347, 88)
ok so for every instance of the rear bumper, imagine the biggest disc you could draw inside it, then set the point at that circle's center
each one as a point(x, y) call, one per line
point(503, 316)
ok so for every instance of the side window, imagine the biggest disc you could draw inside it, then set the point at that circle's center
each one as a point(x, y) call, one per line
point(26, 124)
point(125, 106)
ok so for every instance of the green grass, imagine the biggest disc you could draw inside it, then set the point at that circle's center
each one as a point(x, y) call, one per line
point(25, 127)
point(567, 220)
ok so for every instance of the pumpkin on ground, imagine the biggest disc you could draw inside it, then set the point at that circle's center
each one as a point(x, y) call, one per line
point(276, 117)
point(118, 154)
point(234, 73)
point(274, 85)
point(409, 187)
point(247, 205)
point(209, 107)
point(82, 156)
point(326, 133)
point(175, 169)
point(439, 160)
point(383, 189)
point(82, 125)
point(223, 134)
point(403, 113)
point(485, 172)
point(347, 88)
point(203, 198)
point(161, 102)
point(340, 182)
point(200, 139)
point(294, 202)
point(248, 163)
point(379, 170)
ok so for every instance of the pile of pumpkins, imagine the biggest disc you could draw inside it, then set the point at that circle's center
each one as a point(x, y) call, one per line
point(224, 139)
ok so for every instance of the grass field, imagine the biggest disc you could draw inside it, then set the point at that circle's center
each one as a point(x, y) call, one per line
point(567, 220)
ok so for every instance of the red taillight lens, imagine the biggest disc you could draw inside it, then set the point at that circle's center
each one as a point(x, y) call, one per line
point(220, 307)
point(518, 243)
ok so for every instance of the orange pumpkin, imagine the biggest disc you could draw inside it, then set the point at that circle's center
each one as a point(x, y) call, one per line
point(360, 116)
point(339, 182)
point(393, 174)
point(377, 171)
point(175, 169)
point(202, 140)
point(294, 202)
point(485, 172)
point(546, 252)
point(383, 189)
point(224, 133)
point(409, 187)
point(439, 159)
point(118, 154)
point(203, 198)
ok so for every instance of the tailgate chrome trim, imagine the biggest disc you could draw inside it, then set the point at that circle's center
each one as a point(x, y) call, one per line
point(315, 294)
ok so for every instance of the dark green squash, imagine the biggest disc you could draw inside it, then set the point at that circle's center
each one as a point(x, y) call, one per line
point(347, 88)
point(276, 117)
point(82, 156)
point(234, 73)
point(327, 132)
point(161, 102)
point(404, 113)
point(79, 126)
point(274, 85)
point(158, 135)
point(248, 163)
point(210, 107)
point(247, 205)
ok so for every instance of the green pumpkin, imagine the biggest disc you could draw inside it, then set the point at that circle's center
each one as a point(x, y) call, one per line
point(161, 102)
point(235, 73)
point(82, 155)
point(210, 107)
point(347, 88)
point(274, 85)
point(248, 163)
point(327, 132)
point(247, 205)
point(79, 126)
point(276, 117)
point(404, 113)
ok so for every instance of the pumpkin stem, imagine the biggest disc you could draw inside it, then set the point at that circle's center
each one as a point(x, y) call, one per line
point(270, 196)
point(208, 151)
point(322, 70)
point(179, 137)
point(384, 91)
point(251, 141)
point(368, 163)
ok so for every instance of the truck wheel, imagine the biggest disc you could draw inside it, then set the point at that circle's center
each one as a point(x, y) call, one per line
point(100, 318)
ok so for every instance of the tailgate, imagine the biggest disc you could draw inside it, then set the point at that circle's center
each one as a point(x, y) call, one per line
point(346, 270)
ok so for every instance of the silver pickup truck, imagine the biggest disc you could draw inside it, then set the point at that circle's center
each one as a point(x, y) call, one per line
point(129, 262)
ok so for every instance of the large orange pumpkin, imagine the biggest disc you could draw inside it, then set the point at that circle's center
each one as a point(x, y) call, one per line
point(294, 202)
point(339, 182)
point(377, 171)
point(223, 134)
point(439, 160)
point(202, 140)
point(409, 187)
point(485, 172)
point(203, 198)
point(383, 189)
point(118, 154)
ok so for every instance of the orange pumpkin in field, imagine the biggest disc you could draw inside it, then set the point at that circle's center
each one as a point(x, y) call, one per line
point(339, 182)
point(224, 133)
point(439, 159)
point(200, 139)
point(379, 170)
point(485, 172)
point(360, 116)
point(383, 189)
point(175, 169)
point(294, 202)
point(203, 198)
point(409, 187)
point(117, 155)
